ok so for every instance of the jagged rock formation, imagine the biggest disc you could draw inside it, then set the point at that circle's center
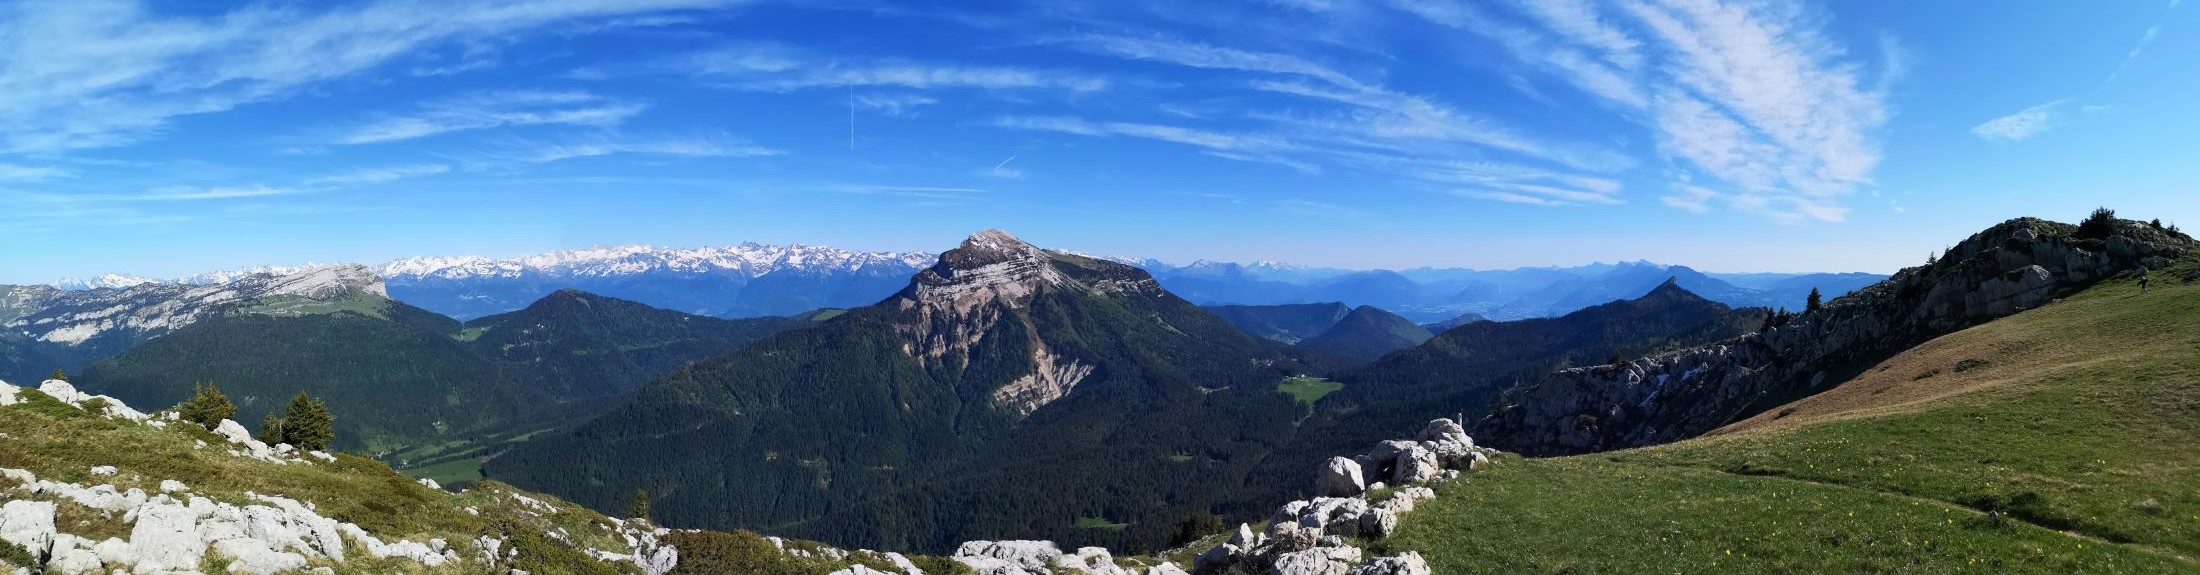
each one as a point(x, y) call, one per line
point(2011, 267)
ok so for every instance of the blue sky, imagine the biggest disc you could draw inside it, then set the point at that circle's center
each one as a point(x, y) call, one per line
point(160, 140)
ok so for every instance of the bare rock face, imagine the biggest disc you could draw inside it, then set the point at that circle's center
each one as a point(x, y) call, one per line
point(2017, 265)
point(993, 277)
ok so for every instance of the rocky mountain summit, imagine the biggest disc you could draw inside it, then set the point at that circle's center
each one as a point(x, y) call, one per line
point(948, 309)
point(2014, 266)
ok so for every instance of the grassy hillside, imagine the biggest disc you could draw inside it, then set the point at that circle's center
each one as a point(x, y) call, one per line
point(58, 442)
point(2062, 439)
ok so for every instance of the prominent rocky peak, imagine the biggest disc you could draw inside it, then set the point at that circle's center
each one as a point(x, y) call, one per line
point(989, 266)
point(993, 277)
point(990, 250)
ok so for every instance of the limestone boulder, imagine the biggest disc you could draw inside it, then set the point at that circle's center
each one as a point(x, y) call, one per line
point(1340, 477)
point(1416, 464)
point(28, 524)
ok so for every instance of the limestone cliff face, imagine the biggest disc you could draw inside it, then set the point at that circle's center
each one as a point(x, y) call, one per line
point(2011, 267)
point(950, 309)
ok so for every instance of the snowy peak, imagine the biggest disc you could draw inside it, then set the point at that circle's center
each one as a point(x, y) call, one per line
point(104, 281)
point(149, 310)
point(747, 259)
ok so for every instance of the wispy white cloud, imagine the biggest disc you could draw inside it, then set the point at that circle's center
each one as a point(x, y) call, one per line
point(20, 173)
point(1750, 93)
point(1243, 147)
point(1315, 209)
point(781, 69)
point(96, 73)
point(1691, 198)
point(192, 193)
point(1583, 48)
point(485, 110)
point(2022, 125)
point(531, 151)
point(382, 175)
point(894, 104)
point(922, 196)
point(1509, 197)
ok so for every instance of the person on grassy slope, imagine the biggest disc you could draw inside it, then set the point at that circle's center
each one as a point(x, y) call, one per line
point(2142, 279)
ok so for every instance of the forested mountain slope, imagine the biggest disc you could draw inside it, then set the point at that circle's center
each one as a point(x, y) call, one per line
point(1007, 391)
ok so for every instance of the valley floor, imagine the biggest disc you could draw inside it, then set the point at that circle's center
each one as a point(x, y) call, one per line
point(2060, 440)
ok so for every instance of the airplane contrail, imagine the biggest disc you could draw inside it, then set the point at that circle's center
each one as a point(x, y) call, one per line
point(1004, 163)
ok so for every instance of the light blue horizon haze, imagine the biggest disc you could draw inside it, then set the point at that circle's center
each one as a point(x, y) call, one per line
point(164, 139)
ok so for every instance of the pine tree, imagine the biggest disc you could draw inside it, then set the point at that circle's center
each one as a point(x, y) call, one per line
point(58, 374)
point(2098, 226)
point(207, 406)
point(271, 430)
point(639, 509)
point(307, 424)
point(1814, 303)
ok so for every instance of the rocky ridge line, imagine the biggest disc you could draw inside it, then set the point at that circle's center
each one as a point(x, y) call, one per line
point(2017, 265)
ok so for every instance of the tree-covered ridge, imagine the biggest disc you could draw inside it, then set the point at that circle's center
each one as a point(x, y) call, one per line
point(1287, 323)
point(1366, 334)
point(396, 376)
point(573, 344)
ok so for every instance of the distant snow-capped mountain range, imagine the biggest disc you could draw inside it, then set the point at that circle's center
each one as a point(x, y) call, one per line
point(749, 258)
point(751, 279)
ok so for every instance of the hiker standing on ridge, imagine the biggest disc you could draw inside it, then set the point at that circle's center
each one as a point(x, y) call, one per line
point(2142, 279)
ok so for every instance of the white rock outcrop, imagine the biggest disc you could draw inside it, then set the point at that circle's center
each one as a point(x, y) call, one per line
point(1408, 563)
point(1009, 557)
